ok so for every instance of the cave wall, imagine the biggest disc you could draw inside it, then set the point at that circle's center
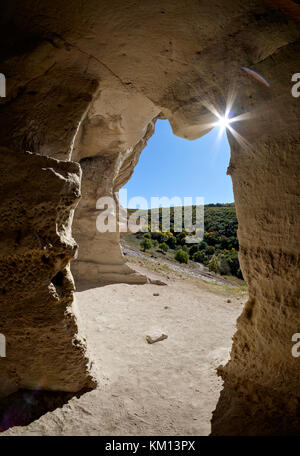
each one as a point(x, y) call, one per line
point(86, 85)
point(44, 347)
point(261, 389)
point(108, 146)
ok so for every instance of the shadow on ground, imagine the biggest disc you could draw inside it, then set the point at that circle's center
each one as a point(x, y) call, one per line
point(23, 407)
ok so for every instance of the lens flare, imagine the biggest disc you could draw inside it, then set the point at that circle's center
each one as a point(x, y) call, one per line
point(256, 76)
point(223, 122)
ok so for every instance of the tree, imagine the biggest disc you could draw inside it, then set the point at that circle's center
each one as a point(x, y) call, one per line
point(158, 236)
point(172, 242)
point(200, 257)
point(219, 264)
point(146, 244)
point(202, 245)
point(219, 247)
point(213, 264)
point(210, 250)
point(193, 249)
point(210, 238)
point(181, 256)
point(164, 247)
point(180, 238)
point(225, 243)
point(224, 265)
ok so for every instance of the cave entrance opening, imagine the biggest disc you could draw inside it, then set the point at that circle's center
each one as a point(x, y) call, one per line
point(112, 268)
point(199, 303)
point(172, 173)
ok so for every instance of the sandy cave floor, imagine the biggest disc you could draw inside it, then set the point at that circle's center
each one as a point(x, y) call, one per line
point(168, 388)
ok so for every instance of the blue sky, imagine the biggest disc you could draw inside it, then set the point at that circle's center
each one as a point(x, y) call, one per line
point(171, 166)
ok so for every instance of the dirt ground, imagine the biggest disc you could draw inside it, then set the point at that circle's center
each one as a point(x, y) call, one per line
point(167, 388)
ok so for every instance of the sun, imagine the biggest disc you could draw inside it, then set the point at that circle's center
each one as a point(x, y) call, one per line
point(223, 122)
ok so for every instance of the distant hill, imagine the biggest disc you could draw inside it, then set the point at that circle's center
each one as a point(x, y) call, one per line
point(219, 248)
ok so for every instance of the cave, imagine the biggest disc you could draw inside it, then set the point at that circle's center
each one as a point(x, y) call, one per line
point(84, 86)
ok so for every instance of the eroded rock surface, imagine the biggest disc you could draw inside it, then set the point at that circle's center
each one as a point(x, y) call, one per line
point(43, 347)
point(261, 390)
point(87, 84)
point(108, 147)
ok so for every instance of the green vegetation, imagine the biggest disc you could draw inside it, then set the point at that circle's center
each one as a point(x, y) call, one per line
point(146, 244)
point(219, 248)
point(164, 247)
point(181, 256)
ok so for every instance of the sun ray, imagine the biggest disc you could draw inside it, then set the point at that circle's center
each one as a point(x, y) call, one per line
point(240, 139)
point(226, 119)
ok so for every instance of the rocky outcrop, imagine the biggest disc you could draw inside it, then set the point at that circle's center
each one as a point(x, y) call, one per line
point(43, 347)
point(86, 85)
point(108, 144)
point(261, 389)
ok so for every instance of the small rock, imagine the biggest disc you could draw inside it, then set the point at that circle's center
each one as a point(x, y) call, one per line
point(228, 300)
point(166, 307)
point(155, 294)
point(150, 340)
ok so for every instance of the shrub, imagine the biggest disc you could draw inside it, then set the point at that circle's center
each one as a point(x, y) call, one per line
point(219, 264)
point(203, 245)
point(147, 236)
point(172, 242)
point(210, 250)
point(200, 257)
point(224, 265)
point(210, 238)
point(181, 256)
point(180, 238)
point(159, 236)
point(146, 244)
point(224, 242)
point(233, 262)
point(164, 247)
point(213, 264)
point(193, 250)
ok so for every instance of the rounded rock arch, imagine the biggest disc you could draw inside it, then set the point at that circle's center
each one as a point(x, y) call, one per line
point(161, 59)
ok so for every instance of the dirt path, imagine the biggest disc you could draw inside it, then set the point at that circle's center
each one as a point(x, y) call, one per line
point(168, 388)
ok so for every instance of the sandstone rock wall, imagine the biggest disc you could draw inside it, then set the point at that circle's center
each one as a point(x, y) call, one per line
point(261, 390)
point(108, 146)
point(87, 84)
point(43, 347)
